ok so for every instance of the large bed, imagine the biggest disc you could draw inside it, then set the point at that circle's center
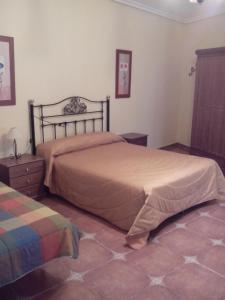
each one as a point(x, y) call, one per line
point(31, 235)
point(133, 187)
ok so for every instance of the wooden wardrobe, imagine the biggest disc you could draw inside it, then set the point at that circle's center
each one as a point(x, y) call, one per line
point(208, 125)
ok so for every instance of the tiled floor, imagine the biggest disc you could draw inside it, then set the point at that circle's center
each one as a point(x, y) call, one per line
point(185, 260)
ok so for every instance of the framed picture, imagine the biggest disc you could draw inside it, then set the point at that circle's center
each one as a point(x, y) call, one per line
point(123, 73)
point(7, 71)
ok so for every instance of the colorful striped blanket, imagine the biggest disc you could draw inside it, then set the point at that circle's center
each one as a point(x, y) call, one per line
point(31, 234)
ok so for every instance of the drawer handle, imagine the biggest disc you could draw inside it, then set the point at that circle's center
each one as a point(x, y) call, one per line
point(28, 180)
point(27, 170)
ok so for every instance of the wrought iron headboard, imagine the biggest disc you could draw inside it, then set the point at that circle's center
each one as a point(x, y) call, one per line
point(76, 106)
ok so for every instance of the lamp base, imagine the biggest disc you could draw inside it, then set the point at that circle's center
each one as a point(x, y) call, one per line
point(13, 156)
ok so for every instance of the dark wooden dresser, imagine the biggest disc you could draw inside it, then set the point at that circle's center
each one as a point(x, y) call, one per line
point(136, 138)
point(26, 174)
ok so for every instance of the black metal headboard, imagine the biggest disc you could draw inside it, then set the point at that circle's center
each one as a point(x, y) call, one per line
point(76, 109)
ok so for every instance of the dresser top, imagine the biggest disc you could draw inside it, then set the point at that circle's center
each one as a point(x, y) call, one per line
point(24, 159)
point(133, 135)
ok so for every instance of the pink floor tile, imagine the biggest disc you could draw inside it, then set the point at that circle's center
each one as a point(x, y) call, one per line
point(70, 291)
point(219, 212)
point(92, 255)
point(112, 238)
point(208, 227)
point(214, 258)
point(193, 282)
point(157, 293)
point(184, 242)
point(117, 280)
point(155, 260)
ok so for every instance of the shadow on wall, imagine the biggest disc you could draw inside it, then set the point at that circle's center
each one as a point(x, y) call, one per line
point(6, 146)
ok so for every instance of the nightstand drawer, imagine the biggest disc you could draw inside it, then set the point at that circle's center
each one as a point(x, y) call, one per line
point(33, 191)
point(24, 181)
point(26, 174)
point(26, 169)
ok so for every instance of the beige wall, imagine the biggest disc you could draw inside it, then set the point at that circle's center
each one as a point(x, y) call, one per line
point(209, 33)
point(67, 47)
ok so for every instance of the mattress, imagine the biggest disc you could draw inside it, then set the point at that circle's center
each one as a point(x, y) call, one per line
point(133, 187)
point(31, 234)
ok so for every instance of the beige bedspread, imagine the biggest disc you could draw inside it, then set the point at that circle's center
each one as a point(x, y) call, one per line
point(133, 187)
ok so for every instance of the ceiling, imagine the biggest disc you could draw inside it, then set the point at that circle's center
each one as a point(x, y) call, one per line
point(179, 10)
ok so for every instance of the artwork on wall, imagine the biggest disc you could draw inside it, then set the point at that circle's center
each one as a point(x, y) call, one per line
point(7, 71)
point(123, 73)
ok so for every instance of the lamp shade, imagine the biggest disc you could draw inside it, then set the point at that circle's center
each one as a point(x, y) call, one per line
point(14, 134)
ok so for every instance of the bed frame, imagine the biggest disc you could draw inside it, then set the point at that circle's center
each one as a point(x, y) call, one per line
point(76, 109)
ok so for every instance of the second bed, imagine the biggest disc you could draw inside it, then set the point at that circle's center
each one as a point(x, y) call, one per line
point(133, 187)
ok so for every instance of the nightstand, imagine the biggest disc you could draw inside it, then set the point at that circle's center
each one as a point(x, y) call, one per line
point(135, 138)
point(26, 174)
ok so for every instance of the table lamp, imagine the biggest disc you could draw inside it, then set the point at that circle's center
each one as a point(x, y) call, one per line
point(13, 135)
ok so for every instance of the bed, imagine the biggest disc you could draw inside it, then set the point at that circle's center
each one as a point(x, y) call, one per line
point(133, 187)
point(31, 234)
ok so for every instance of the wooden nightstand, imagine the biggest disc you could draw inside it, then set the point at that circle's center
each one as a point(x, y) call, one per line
point(135, 138)
point(26, 174)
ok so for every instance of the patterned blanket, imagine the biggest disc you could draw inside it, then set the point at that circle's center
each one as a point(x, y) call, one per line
point(31, 234)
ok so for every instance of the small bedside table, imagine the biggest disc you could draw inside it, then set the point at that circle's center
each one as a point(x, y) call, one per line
point(135, 138)
point(26, 174)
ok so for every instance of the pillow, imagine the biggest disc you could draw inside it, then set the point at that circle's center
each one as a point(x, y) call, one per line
point(51, 149)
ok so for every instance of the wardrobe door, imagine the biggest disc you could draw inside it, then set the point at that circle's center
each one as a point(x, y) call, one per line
point(208, 127)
